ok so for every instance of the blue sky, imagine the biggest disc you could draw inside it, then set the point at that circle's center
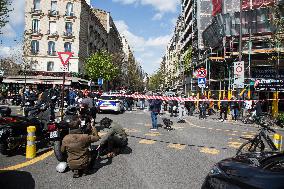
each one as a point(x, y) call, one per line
point(147, 25)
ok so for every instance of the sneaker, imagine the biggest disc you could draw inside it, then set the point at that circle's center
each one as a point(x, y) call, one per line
point(153, 129)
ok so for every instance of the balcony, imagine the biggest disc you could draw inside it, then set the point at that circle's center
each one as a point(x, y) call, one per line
point(53, 13)
point(35, 33)
point(36, 12)
point(69, 15)
point(68, 35)
point(34, 52)
point(52, 34)
point(52, 53)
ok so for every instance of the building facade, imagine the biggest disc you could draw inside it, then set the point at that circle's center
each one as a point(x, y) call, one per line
point(61, 26)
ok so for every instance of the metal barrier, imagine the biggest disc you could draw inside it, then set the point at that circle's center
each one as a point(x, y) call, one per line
point(31, 146)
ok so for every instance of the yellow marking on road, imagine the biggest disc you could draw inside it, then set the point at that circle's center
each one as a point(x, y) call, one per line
point(247, 136)
point(101, 133)
point(235, 131)
point(177, 127)
point(234, 144)
point(244, 132)
point(218, 129)
point(28, 163)
point(144, 141)
point(153, 134)
point(228, 130)
point(209, 151)
point(232, 134)
point(210, 128)
point(231, 138)
point(202, 127)
point(131, 130)
point(148, 125)
point(177, 146)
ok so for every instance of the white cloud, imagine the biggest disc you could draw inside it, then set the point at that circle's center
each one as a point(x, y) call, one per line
point(147, 51)
point(157, 16)
point(14, 52)
point(126, 2)
point(161, 6)
point(8, 31)
point(17, 15)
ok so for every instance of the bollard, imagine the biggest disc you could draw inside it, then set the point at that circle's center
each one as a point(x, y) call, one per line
point(278, 141)
point(31, 147)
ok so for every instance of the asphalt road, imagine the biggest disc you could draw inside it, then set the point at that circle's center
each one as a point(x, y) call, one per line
point(180, 158)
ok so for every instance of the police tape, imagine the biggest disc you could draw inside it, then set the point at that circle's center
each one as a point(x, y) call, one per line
point(191, 99)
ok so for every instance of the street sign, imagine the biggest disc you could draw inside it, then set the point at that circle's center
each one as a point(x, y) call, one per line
point(91, 83)
point(202, 82)
point(100, 81)
point(64, 57)
point(201, 73)
point(239, 74)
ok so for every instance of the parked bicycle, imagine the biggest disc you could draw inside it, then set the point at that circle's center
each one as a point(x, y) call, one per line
point(257, 143)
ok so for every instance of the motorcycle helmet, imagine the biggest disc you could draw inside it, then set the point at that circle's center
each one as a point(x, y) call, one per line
point(61, 167)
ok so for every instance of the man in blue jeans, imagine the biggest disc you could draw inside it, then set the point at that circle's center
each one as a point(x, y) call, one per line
point(155, 107)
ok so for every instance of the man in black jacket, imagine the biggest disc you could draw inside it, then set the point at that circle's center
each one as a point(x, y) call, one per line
point(155, 108)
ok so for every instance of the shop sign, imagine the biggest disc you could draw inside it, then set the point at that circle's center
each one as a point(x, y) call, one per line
point(270, 85)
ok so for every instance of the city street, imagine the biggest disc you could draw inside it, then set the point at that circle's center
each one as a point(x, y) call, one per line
point(180, 158)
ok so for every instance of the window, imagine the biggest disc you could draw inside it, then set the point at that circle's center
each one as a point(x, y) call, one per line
point(53, 6)
point(34, 46)
point(51, 47)
point(35, 26)
point(68, 27)
point(50, 66)
point(69, 9)
point(67, 47)
point(52, 28)
point(37, 4)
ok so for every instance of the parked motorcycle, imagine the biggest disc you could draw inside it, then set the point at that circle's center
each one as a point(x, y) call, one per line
point(13, 129)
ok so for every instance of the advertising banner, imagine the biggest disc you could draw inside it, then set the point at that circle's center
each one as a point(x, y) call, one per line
point(217, 7)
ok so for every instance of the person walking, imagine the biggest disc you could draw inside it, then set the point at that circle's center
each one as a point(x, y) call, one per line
point(155, 107)
point(224, 109)
point(181, 112)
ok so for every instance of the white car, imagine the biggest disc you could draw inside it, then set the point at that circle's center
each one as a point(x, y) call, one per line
point(110, 103)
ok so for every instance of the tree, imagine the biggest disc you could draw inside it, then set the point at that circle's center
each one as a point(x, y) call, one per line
point(100, 65)
point(156, 80)
point(9, 66)
point(187, 60)
point(134, 75)
point(4, 10)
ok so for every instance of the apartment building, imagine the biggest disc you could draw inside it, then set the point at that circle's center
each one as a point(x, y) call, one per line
point(65, 26)
point(114, 44)
point(197, 16)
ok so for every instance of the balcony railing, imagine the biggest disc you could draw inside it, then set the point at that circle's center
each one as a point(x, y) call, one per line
point(68, 34)
point(35, 32)
point(36, 12)
point(69, 15)
point(52, 53)
point(53, 13)
point(52, 34)
point(34, 52)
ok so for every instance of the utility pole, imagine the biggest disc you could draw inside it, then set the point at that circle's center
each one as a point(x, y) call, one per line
point(241, 34)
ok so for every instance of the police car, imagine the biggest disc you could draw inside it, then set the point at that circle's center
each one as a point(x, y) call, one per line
point(110, 103)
